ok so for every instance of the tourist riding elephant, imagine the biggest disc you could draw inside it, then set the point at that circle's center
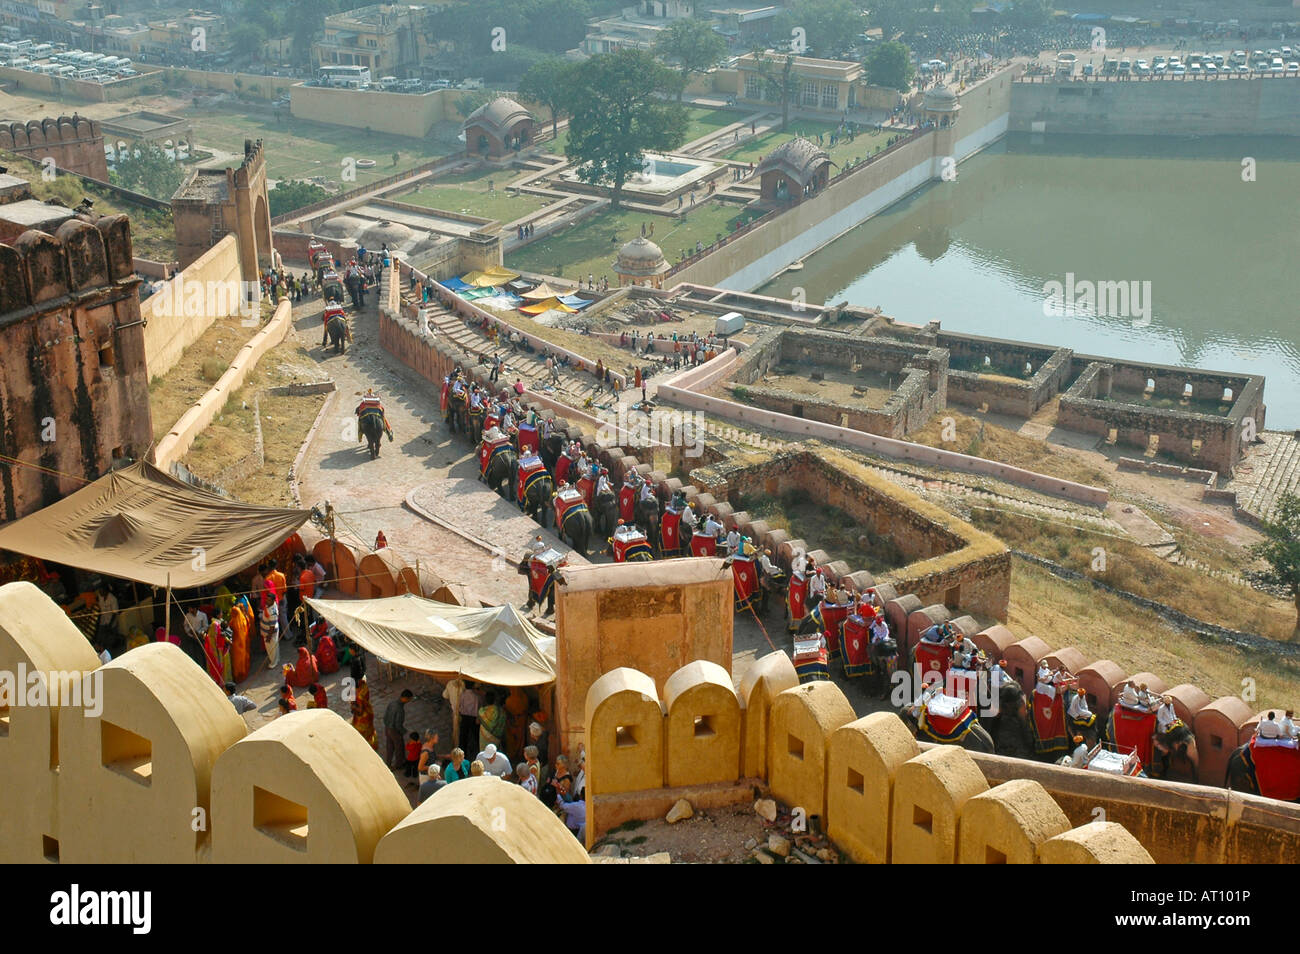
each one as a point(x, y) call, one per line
point(605, 512)
point(474, 424)
point(337, 329)
point(577, 527)
point(974, 737)
point(1272, 771)
point(503, 468)
point(537, 498)
point(1015, 733)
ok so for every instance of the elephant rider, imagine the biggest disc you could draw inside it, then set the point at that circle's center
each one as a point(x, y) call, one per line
point(1078, 710)
point(603, 485)
point(816, 588)
point(476, 399)
point(1165, 714)
point(771, 578)
point(879, 629)
point(1079, 757)
point(711, 526)
point(938, 633)
point(965, 654)
point(647, 494)
point(678, 503)
point(537, 546)
point(689, 520)
point(733, 542)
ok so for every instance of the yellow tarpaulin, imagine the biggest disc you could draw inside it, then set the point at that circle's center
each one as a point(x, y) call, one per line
point(487, 277)
point(494, 644)
point(548, 305)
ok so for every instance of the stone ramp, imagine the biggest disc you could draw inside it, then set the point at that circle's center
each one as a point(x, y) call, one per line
point(1271, 471)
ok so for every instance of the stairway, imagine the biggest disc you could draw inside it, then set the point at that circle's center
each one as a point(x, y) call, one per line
point(1274, 471)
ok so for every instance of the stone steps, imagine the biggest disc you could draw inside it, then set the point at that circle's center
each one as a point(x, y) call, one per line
point(1281, 473)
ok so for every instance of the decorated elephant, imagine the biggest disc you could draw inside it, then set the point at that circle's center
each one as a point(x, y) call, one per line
point(576, 526)
point(537, 497)
point(605, 513)
point(962, 729)
point(503, 468)
point(647, 518)
point(339, 335)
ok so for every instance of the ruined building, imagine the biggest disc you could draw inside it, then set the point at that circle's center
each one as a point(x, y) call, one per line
point(74, 391)
point(214, 203)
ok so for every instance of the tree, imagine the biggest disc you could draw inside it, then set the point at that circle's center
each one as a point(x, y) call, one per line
point(466, 103)
point(779, 77)
point(147, 168)
point(890, 65)
point(617, 115)
point(290, 195)
point(547, 82)
point(1280, 549)
point(831, 27)
point(247, 39)
point(898, 17)
point(693, 44)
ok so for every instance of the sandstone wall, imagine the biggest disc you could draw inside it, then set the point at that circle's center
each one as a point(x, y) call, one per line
point(173, 325)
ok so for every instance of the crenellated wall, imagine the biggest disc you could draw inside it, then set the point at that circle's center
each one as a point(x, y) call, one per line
point(149, 763)
point(74, 388)
point(74, 142)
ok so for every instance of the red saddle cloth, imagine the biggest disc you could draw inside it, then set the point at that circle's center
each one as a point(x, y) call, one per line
point(933, 657)
point(797, 599)
point(1277, 769)
point(530, 469)
point(670, 537)
point(1132, 731)
point(856, 640)
point(703, 545)
point(562, 465)
point(745, 576)
point(627, 504)
point(540, 580)
point(631, 545)
point(489, 449)
point(833, 617)
point(587, 487)
point(567, 501)
point(528, 441)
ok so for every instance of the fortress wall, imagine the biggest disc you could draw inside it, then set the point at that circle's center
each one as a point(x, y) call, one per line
point(152, 765)
point(172, 326)
point(1164, 106)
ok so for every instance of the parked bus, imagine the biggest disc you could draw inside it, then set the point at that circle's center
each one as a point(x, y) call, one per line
point(350, 77)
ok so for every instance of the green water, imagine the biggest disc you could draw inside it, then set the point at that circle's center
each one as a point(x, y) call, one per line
point(1222, 255)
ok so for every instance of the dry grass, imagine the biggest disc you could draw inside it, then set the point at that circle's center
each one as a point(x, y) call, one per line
point(1007, 447)
point(175, 392)
point(826, 528)
point(1066, 613)
point(1137, 570)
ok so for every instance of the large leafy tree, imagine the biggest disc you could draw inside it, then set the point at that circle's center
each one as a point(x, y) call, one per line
point(777, 71)
point(898, 17)
point(617, 115)
point(147, 168)
point(890, 65)
point(693, 45)
point(1280, 550)
point(547, 82)
point(289, 195)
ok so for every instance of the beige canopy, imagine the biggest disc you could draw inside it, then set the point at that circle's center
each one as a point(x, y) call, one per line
point(541, 293)
point(494, 644)
point(140, 523)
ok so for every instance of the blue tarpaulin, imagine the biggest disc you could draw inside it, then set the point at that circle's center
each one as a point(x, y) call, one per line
point(455, 284)
point(573, 301)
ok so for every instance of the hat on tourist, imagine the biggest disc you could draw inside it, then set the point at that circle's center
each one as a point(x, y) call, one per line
point(490, 751)
point(534, 729)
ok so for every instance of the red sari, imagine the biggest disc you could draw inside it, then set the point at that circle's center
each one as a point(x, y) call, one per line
point(305, 672)
point(363, 713)
point(327, 657)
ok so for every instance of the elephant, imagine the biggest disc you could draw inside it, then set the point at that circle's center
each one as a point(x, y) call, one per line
point(605, 513)
point(577, 527)
point(537, 498)
point(1279, 780)
point(550, 451)
point(503, 467)
point(1015, 733)
point(372, 428)
point(474, 424)
point(337, 329)
point(1173, 752)
point(977, 739)
point(647, 518)
point(456, 411)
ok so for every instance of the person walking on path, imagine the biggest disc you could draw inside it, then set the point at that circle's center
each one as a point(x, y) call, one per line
point(395, 730)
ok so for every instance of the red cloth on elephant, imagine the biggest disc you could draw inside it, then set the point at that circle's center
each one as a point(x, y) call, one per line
point(627, 504)
point(531, 470)
point(933, 657)
point(703, 545)
point(305, 672)
point(327, 656)
point(587, 487)
point(562, 465)
point(670, 532)
point(1132, 731)
point(797, 600)
point(1277, 770)
point(856, 642)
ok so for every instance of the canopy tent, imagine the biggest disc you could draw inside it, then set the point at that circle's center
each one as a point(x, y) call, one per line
point(476, 293)
point(142, 524)
point(548, 305)
point(541, 293)
point(503, 302)
point(573, 301)
point(494, 645)
point(486, 278)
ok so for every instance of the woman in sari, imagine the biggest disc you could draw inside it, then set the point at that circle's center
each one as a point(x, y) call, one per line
point(240, 660)
point(516, 721)
point(491, 722)
point(269, 629)
point(326, 655)
point(363, 713)
point(216, 651)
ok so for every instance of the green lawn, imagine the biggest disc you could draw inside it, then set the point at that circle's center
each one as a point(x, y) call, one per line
point(587, 248)
point(699, 122)
point(297, 150)
point(467, 193)
point(863, 145)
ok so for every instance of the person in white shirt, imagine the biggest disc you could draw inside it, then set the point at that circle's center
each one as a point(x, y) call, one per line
point(197, 621)
point(689, 521)
point(527, 780)
point(733, 542)
point(602, 483)
point(1165, 715)
point(816, 589)
point(108, 608)
point(494, 762)
point(647, 492)
point(879, 629)
point(1079, 757)
point(711, 526)
point(1078, 709)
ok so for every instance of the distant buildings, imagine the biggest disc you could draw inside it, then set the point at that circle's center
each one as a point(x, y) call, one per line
point(829, 85)
point(384, 37)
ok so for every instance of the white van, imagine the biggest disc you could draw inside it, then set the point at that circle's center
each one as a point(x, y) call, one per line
point(86, 74)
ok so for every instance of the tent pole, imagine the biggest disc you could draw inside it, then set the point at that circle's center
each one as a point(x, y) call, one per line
point(167, 613)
